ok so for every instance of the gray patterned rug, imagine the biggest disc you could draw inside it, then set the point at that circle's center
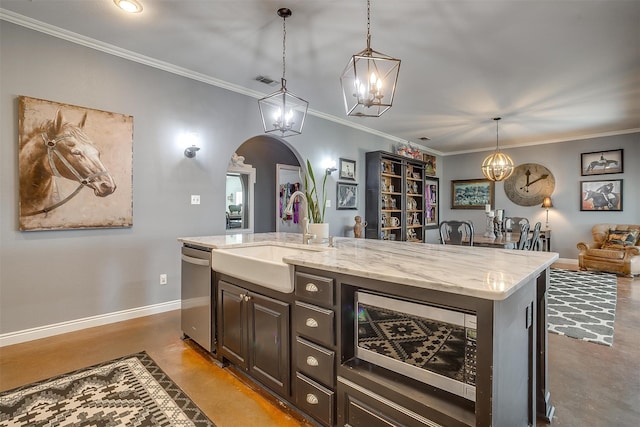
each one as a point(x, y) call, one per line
point(130, 391)
point(582, 305)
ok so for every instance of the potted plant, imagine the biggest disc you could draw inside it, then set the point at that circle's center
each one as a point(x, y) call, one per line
point(315, 203)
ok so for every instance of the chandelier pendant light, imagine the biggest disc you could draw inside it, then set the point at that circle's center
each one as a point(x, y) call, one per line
point(283, 112)
point(497, 166)
point(369, 80)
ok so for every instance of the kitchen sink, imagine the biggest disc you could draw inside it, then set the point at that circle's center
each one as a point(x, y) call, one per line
point(260, 264)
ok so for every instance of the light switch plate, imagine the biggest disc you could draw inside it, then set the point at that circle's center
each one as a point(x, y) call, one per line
point(328, 204)
point(195, 199)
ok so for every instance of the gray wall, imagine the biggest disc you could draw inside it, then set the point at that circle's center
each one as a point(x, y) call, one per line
point(569, 225)
point(47, 277)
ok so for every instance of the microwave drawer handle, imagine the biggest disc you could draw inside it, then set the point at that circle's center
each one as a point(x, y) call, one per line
point(312, 399)
point(311, 322)
point(311, 287)
point(312, 361)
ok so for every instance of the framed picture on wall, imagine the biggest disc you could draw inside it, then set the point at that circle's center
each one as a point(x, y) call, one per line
point(472, 193)
point(348, 169)
point(71, 159)
point(601, 195)
point(601, 162)
point(347, 196)
point(429, 164)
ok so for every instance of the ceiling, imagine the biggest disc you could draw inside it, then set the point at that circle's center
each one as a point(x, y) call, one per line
point(553, 70)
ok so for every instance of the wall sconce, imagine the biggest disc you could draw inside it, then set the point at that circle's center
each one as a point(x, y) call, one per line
point(547, 203)
point(330, 166)
point(190, 152)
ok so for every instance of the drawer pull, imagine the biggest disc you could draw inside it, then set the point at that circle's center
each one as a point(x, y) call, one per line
point(311, 287)
point(312, 399)
point(312, 361)
point(311, 322)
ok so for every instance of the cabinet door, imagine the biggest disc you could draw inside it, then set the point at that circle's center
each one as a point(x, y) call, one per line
point(232, 323)
point(269, 338)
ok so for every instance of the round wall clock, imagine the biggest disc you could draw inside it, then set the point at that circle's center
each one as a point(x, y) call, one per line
point(529, 184)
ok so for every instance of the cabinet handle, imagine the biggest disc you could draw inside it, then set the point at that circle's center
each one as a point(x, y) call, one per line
point(311, 287)
point(247, 298)
point(312, 361)
point(312, 399)
point(311, 322)
point(242, 296)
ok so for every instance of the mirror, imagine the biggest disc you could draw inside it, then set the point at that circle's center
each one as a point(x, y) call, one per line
point(239, 192)
point(287, 181)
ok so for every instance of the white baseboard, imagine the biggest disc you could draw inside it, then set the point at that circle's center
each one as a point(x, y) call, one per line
point(88, 322)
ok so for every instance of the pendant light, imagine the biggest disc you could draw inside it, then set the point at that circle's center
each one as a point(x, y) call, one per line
point(283, 112)
point(498, 166)
point(369, 80)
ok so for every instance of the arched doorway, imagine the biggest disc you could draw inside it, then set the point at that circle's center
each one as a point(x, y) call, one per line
point(264, 153)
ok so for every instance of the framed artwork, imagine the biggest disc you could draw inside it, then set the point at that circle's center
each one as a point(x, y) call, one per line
point(429, 164)
point(472, 193)
point(347, 196)
point(601, 195)
point(601, 162)
point(71, 160)
point(348, 169)
point(431, 202)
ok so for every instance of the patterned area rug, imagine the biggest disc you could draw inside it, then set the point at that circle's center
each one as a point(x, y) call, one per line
point(130, 391)
point(582, 305)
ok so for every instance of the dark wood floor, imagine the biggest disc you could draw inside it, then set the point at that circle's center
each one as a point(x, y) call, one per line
point(591, 385)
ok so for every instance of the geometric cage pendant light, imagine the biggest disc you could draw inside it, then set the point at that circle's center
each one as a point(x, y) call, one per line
point(369, 80)
point(283, 112)
point(497, 166)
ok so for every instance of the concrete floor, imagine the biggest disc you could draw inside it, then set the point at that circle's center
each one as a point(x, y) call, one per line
point(591, 385)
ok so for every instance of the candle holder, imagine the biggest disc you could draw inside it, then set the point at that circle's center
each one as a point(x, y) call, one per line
point(497, 225)
point(489, 230)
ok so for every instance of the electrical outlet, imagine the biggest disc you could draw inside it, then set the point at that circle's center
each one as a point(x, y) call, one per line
point(195, 199)
point(163, 279)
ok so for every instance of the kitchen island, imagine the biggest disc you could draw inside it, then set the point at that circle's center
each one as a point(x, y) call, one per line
point(504, 289)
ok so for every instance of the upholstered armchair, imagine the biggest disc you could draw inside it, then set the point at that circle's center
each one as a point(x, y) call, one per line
point(615, 249)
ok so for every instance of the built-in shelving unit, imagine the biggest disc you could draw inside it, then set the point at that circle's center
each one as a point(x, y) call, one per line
point(396, 205)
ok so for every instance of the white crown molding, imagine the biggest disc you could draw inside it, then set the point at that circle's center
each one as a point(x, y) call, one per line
point(87, 322)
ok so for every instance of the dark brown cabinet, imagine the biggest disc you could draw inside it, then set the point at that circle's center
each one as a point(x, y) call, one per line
point(254, 335)
point(395, 198)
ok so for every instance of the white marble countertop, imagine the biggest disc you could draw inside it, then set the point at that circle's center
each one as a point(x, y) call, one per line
point(474, 271)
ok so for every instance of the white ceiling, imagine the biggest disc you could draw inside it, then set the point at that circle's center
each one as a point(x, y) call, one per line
point(554, 70)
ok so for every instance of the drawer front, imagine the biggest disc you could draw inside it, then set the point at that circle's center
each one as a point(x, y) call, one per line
point(313, 288)
point(315, 323)
point(359, 406)
point(315, 400)
point(316, 362)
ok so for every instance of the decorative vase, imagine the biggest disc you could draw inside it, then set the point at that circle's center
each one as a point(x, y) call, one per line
point(320, 230)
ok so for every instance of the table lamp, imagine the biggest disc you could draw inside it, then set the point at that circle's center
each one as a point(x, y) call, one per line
point(547, 203)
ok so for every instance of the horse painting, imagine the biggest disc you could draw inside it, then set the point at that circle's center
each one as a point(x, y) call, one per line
point(600, 201)
point(69, 161)
point(603, 164)
point(58, 149)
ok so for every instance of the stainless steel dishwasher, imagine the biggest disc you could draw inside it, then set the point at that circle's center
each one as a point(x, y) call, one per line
point(197, 319)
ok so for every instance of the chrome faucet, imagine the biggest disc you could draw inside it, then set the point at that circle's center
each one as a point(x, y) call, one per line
point(306, 237)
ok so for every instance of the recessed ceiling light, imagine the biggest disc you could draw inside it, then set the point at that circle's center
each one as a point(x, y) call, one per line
point(131, 6)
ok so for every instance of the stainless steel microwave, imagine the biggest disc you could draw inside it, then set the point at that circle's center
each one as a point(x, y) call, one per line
point(433, 345)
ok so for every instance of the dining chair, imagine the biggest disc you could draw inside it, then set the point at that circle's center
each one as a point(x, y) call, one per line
point(535, 243)
point(512, 223)
point(524, 236)
point(454, 232)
